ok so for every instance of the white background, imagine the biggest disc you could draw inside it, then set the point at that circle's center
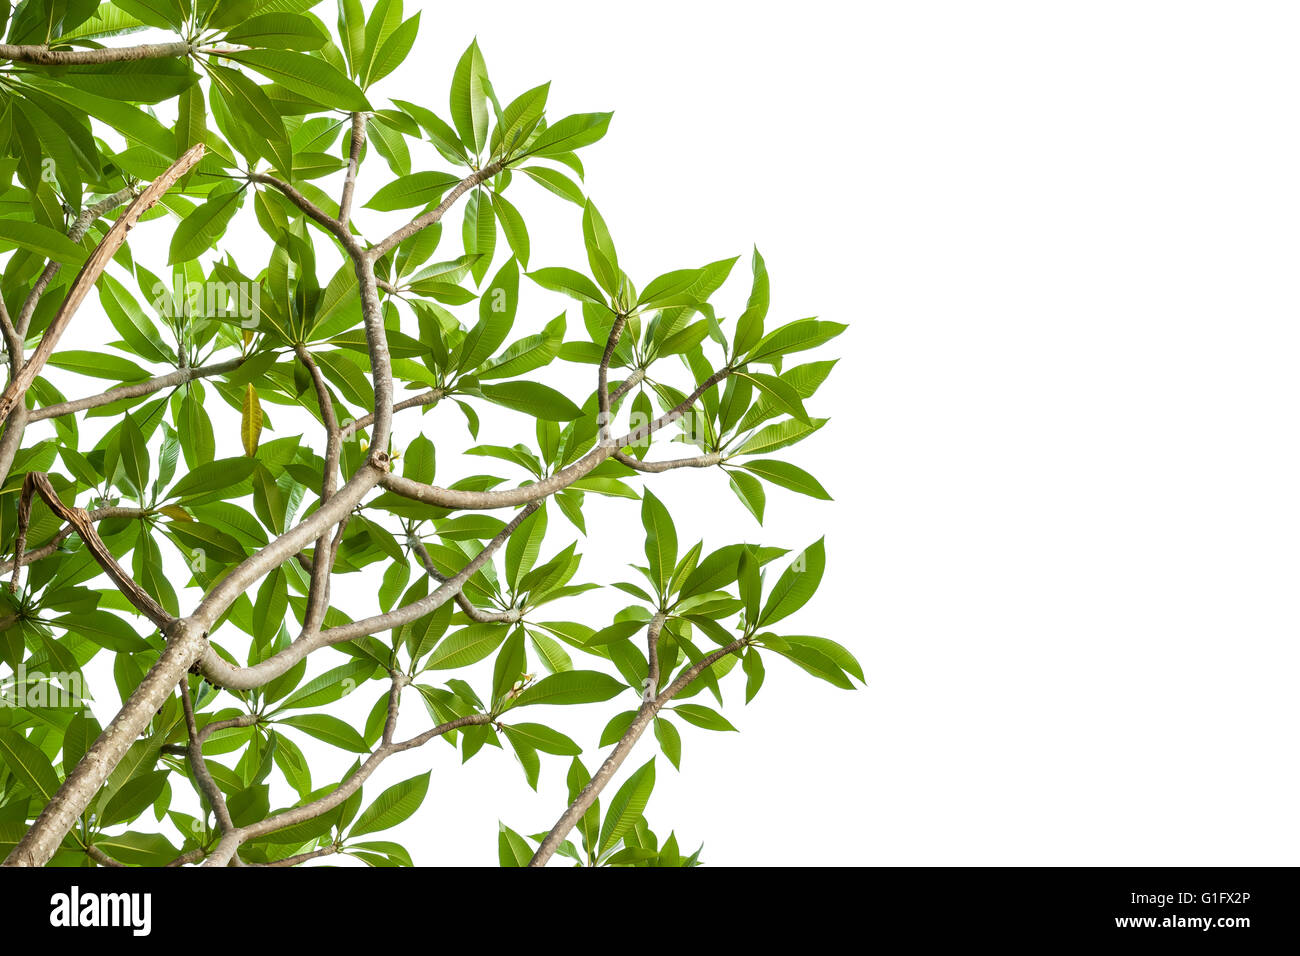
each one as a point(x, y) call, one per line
point(1062, 447)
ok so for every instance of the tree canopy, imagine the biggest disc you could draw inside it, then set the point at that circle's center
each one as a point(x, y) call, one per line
point(264, 115)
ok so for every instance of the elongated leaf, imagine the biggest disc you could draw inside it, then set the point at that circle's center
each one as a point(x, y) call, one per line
point(628, 805)
point(571, 687)
point(308, 76)
point(394, 805)
point(787, 476)
point(532, 398)
point(467, 646)
point(250, 429)
point(41, 240)
point(660, 540)
point(797, 584)
point(28, 765)
point(330, 729)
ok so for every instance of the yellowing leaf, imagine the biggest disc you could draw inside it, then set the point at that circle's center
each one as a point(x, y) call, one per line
point(176, 513)
point(250, 428)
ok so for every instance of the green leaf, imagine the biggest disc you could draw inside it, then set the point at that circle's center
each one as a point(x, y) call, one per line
point(702, 716)
point(330, 729)
point(105, 629)
point(282, 31)
point(199, 231)
point(519, 119)
point(787, 476)
point(797, 584)
point(601, 254)
point(335, 684)
point(812, 660)
point(98, 365)
point(543, 738)
point(138, 81)
point(135, 456)
point(795, 337)
point(394, 805)
point(752, 664)
point(526, 354)
point(393, 50)
point(41, 240)
point(780, 435)
point(512, 849)
point(467, 646)
point(213, 476)
point(418, 189)
point(496, 310)
point(749, 327)
point(308, 76)
point(532, 398)
point(670, 741)
point(524, 546)
point(571, 283)
point(163, 14)
point(685, 287)
point(837, 653)
point(750, 584)
point(510, 665)
point(132, 798)
point(781, 394)
point(750, 492)
point(469, 86)
point(618, 726)
point(249, 103)
point(250, 428)
point(556, 182)
point(352, 33)
point(571, 687)
point(512, 224)
point(628, 805)
point(29, 766)
point(660, 540)
point(569, 133)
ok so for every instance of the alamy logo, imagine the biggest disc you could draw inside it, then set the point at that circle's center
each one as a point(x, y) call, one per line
point(74, 908)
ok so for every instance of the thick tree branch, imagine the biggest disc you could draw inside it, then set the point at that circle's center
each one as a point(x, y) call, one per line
point(15, 332)
point(184, 645)
point(658, 467)
point(37, 483)
point(224, 674)
point(322, 565)
point(13, 341)
point(135, 390)
point(356, 145)
point(44, 56)
point(486, 500)
point(45, 550)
